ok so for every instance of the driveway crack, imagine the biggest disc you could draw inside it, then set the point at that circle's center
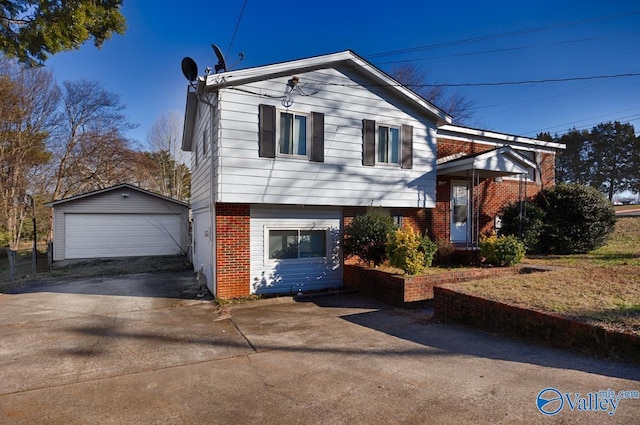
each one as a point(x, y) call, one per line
point(243, 335)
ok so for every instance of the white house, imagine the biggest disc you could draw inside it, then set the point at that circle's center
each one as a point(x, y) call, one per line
point(284, 155)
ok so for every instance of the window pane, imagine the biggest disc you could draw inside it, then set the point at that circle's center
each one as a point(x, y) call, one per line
point(383, 144)
point(286, 133)
point(313, 243)
point(300, 135)
point(394, 145)
point(283, 244)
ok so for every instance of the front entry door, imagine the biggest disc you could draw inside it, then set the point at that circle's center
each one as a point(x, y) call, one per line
point(459, 211)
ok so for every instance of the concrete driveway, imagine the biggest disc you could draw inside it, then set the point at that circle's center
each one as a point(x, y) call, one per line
point(143, 349)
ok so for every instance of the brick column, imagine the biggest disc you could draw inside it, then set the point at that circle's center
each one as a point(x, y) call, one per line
point(232, 250)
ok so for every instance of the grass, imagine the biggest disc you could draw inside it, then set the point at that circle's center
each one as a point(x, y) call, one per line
point(600, 287)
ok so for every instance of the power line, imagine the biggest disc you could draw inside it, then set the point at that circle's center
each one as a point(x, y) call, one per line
point(502, 50)
point(495, 83)
point(499, 35)
point(235, 31)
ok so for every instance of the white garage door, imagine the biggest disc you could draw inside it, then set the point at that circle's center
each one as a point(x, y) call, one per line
point(120, 235)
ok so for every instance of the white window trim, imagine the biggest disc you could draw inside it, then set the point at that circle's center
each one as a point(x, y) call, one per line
point(307, 116)
point(388, 164)
point(311, 260)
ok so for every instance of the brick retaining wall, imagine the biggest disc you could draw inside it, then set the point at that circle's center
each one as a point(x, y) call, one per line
point(498, 317)
point(401, 291)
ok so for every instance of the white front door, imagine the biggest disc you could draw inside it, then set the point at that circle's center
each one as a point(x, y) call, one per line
point(459, 211)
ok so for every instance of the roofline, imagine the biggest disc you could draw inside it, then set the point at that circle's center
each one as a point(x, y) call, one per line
point(242, 76)
point(115, 187)
point(495, 136)
point(468, 162)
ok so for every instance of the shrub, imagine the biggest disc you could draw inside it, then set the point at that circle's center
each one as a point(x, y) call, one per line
point(501, 250)
point(445, 251)
point(366, 236)
point(529, 228)
point(578, 219)
point(429, 249)
point(404, 251)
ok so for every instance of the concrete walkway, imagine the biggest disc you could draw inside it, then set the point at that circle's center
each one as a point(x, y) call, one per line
point(143, 349)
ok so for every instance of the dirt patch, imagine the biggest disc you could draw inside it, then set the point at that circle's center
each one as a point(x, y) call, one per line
point(100, 267)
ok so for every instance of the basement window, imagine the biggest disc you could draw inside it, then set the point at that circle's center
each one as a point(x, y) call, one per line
point(297, 244)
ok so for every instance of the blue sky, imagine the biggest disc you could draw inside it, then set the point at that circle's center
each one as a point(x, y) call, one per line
point(484, 42)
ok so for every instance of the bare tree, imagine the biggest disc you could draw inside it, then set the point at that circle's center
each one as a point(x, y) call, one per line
point(416, 78)
point(28, 99)
point(90, 143)
point(167, 172)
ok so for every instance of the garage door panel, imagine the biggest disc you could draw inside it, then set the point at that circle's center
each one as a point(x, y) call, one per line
point(121, 235)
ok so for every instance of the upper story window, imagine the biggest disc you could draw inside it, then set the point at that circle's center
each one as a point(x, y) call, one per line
point(385, 144)
point(293, 134)
point(290, 134)
point(388, 146)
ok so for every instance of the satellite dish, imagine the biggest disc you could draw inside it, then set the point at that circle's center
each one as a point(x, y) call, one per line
point(189, 69)
point(222, 64)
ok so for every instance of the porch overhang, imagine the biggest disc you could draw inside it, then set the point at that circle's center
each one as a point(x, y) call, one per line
point(499, 162)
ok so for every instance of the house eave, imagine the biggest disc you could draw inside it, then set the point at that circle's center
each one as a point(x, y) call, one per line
point(215, 82)
point(473, 134)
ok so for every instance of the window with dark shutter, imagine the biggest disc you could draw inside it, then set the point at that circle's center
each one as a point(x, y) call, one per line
point(317, 137)
point(368, 142)
point(267, 132)
point(407, 147)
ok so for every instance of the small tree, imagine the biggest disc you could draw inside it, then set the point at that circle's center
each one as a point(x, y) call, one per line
point(366, 236)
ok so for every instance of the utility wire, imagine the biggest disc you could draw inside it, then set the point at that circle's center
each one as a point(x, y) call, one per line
point(500, 35)
point(235, 31)
point(496, 83)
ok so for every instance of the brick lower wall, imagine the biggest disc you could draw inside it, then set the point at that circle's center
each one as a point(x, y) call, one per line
point(401, 291)
point(453, 306)
point(232, 253)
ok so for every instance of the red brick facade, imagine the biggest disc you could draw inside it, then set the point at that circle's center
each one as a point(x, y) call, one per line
point(232, 253)
point(490, 194)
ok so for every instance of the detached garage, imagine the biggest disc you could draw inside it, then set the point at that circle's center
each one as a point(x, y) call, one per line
point(120, 221)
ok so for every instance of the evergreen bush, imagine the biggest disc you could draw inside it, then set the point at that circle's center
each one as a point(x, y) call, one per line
point(366, 237)
point(524, 220)
point(578, 219)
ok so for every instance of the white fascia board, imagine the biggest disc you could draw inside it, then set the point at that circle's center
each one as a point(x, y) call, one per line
point(466, 133)
point(235, 78)
point(517, 162)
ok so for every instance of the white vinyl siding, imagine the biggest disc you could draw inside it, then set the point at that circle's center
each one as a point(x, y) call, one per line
point(341, 179)
point(302, 267)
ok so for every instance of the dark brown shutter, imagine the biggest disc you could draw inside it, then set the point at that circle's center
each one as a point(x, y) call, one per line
point(317, 137)
point(267, 134)
point(407, 147)
point(368, 142)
